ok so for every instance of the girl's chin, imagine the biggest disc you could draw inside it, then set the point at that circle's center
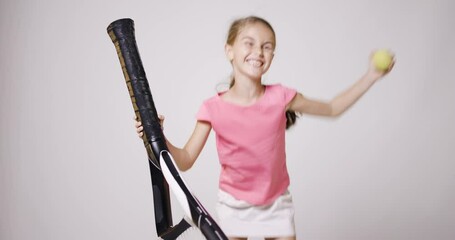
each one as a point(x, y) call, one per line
point(258, 72)
point(254, 74)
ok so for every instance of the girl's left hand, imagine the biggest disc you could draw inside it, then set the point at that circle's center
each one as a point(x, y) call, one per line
point(374, 72)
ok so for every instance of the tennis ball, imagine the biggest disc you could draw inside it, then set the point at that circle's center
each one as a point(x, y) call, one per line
point(382, 59)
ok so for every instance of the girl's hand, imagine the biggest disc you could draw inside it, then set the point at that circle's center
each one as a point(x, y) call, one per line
point(140, 128)
point(376, 74)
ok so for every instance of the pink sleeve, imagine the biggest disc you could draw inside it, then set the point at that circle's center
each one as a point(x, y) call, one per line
point(203, 113)
point(289, 94)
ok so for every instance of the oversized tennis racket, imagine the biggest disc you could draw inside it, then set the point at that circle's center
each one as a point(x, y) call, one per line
point(162, 166)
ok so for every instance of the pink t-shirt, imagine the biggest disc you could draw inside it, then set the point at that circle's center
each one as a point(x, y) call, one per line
point(251, 144)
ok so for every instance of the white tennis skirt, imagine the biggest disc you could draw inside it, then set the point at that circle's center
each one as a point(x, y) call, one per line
point(238, 218)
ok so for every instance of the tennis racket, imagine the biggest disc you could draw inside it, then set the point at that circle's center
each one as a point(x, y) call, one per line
point(164, 172)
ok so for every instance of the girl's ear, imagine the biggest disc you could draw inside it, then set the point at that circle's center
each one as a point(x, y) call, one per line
point(229, 52)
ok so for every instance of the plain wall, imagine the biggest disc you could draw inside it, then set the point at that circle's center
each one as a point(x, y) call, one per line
point(72, 167)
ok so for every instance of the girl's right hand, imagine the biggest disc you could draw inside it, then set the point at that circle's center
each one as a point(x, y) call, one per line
point(140, 128)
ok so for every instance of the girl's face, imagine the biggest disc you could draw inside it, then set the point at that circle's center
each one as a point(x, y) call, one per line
point(252, 51)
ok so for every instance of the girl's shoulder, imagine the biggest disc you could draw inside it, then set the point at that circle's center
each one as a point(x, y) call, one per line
point(273, 86)
point(279, 88)
point(280, 92)
point(213, 99)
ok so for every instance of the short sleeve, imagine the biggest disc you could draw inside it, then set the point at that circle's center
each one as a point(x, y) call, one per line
point(289, 94)
point(203, 113)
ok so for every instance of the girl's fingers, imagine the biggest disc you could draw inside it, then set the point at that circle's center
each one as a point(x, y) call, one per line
point(139, 131)
point(140, 128)
point(161, 117)
point(137, 124)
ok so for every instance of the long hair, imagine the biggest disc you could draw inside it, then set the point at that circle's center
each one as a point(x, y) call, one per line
point(234, 31)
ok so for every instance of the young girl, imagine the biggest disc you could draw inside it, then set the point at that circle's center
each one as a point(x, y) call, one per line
point(250, 120)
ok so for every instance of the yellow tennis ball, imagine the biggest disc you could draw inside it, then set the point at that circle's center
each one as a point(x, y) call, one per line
point(382, 60)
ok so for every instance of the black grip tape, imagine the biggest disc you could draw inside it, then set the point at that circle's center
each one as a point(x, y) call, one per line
point(123, 36)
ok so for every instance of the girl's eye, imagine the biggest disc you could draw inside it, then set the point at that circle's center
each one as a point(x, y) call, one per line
point(268, 47)
point(249, 44)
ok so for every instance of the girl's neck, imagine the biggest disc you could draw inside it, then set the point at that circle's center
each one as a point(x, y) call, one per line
point(245, 92)
point(247, 88)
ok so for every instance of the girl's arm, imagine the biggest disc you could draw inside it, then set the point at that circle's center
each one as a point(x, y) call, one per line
point(343, 101)
point(186, 156)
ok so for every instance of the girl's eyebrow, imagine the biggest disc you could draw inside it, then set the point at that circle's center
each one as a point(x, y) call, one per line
point(252, 39)
point(248, 38)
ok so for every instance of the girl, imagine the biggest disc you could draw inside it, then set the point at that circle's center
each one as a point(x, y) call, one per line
point(250, 120)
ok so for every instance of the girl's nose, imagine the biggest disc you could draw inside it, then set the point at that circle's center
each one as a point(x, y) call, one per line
point(258, 50)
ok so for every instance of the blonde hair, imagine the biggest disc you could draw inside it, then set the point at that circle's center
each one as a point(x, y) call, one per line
point(234, 31)
point(240, 23)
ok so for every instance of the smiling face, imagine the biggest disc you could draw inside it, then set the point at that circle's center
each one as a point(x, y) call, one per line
point(251, 52)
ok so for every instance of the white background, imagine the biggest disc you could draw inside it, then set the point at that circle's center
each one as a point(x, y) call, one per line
point(72, 166)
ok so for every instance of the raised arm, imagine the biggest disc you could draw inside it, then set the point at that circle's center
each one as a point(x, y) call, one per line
point(341, 102)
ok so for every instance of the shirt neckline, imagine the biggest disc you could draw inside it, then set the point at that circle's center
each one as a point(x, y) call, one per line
point(257, 102)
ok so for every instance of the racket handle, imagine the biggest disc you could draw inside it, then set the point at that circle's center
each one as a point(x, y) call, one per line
point(122, 35)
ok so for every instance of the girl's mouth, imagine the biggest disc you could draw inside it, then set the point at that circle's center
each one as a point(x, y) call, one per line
point(255, 62)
